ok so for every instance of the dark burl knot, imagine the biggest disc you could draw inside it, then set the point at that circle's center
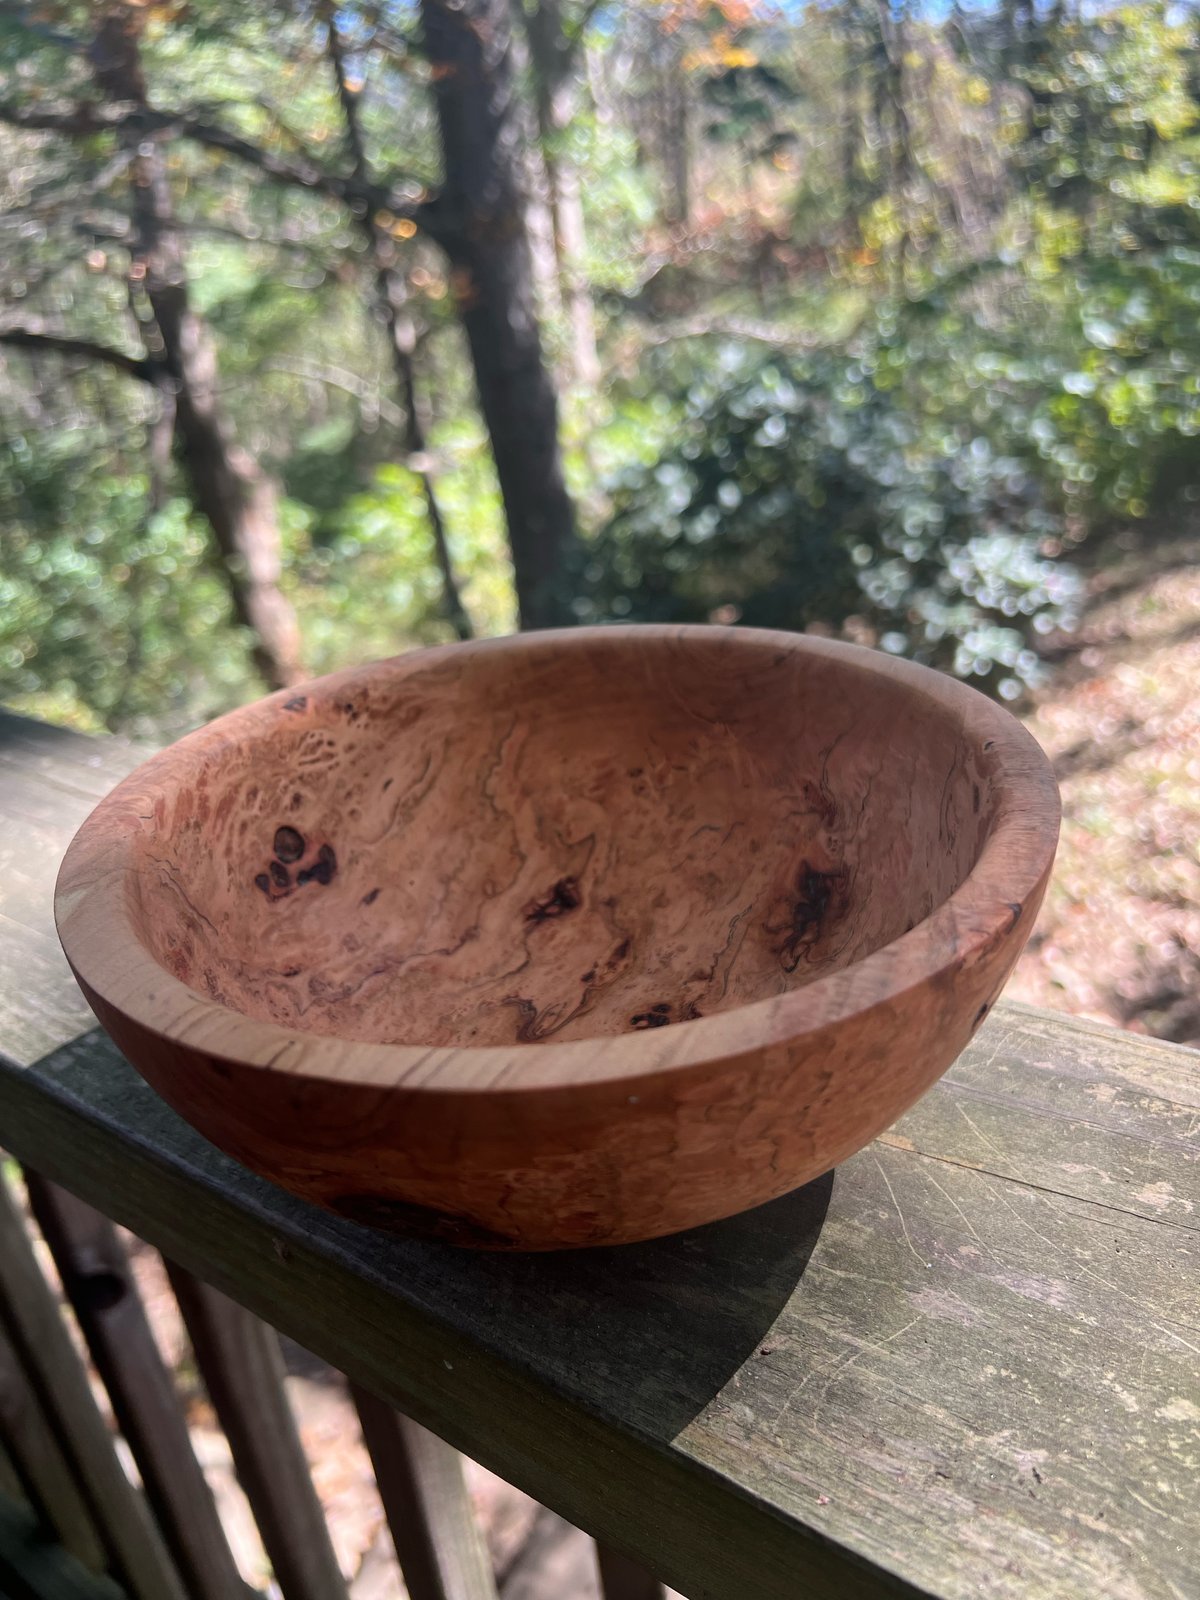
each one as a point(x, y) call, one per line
point(289, 844)
point(322, 869)
point(657, 1017)
point(563, 897)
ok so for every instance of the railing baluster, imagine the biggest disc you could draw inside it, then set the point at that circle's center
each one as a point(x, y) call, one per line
point(10, 1478)
point(34, 1568)
point(35, 1327)
point(623, 1579)
point(438, 1543)
point(240, 1362)
point(95, 1271)
point(44, 1474)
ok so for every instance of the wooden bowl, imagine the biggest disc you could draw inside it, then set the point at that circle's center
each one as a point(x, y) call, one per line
point(569, 938)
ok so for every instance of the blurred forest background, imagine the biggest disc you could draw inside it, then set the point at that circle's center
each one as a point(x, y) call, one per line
point(330, 329)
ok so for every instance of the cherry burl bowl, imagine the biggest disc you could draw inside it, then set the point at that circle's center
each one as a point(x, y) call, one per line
point(565, 939)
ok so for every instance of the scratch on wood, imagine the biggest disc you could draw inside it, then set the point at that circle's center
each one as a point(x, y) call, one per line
point(963, 1215)
point(899, 1213)
point(978, 1132)
point(839, 1364)
point(1086, 1271)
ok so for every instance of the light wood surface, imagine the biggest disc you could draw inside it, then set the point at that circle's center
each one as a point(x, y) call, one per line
point(564, 939)
point(851, 1388)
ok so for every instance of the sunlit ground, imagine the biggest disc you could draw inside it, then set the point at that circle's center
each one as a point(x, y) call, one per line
point(1119, 937)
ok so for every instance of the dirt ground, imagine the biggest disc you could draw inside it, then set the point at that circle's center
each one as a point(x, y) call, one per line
point(1118, 939)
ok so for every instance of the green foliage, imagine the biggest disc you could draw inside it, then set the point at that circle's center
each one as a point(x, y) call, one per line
point(117, 620)
point(745, 103)
point(1106, 94)
point(921, 477)
point(981, 228)
point(805, 493)
point(367, 586)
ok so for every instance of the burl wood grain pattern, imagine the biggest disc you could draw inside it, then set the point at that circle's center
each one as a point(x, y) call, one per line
point(568, 938)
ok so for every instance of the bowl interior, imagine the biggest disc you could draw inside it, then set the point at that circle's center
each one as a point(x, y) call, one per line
point(579, 836)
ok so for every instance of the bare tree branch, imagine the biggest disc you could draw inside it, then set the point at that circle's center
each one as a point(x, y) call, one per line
point(579, 27)
point(391, 298)
point(87, 117)
point(702, 326)
point(35, 336)
point(348, 382)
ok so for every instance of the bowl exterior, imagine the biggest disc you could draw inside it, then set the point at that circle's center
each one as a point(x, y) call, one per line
point(610, 1162)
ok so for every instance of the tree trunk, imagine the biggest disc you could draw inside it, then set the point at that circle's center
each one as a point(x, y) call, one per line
point(227, 485)
point(567, 204)
point(679, 140)
point(570, 240)
point(892, 107)
point(402, 342)
point(553, 55)
point(539, 214)
point(481, 224)
point(390, 295)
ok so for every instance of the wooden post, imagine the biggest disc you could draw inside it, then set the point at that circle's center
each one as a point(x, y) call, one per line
point(45, 1353)
point(420, 1478)
point(242, 1368)
point(10, 1478)
point(34, 1568)
point(95, 1272)
point(43, 1472)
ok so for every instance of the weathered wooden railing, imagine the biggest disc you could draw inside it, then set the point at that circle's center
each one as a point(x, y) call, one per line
point(964, 1365)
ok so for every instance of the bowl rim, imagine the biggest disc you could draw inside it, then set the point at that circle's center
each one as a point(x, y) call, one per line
point(112, 965)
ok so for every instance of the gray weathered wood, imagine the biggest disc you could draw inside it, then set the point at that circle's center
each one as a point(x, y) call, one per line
point(95, 1273)
point(49, 781)
point(437, 1540)
point(35, 1327)
point(34, 1568)
point(46, 1479)
point(240, 1362)
point(965, 1365)
point(623, 1579)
